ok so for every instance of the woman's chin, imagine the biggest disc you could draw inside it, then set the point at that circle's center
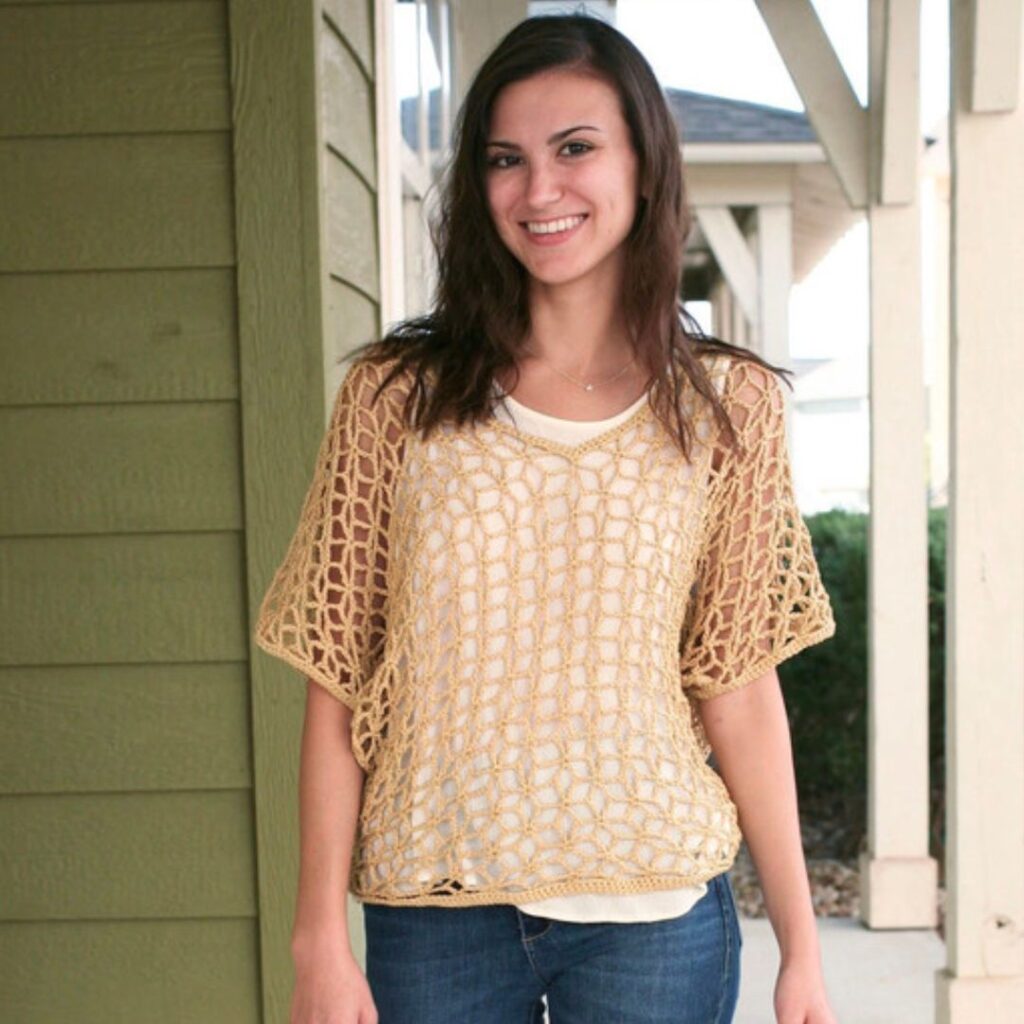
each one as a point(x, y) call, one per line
point(552, 276)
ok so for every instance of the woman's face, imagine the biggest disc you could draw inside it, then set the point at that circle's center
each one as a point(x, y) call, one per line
point(559, 149)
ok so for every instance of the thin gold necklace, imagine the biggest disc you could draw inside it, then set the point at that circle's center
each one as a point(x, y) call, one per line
point(585, 386)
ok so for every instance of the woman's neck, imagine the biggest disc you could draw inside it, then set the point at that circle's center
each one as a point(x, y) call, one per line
point(579, 327)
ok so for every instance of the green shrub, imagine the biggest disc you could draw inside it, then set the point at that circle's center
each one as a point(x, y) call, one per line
point(826, 685)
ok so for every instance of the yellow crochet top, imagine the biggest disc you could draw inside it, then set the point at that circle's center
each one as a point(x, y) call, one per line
point(500, 610)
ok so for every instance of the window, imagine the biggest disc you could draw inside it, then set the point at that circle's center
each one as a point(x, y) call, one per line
point(417, 35)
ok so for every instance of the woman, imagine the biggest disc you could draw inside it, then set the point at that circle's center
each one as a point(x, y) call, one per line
point(549, 559)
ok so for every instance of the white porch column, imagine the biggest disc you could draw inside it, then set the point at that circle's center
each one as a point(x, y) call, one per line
point(898, 878)
point(721, 310)
point(984, 978)
point(775, 280)
point(751, 326)
point(739, 326)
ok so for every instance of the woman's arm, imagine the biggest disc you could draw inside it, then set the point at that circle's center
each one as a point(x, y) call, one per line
point(749, 734)
point(330, 792)
point(329, 983)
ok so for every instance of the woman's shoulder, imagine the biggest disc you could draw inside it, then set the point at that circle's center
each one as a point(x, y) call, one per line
point(751, 397)
point(716, 364)
point(368, 368)
point(740, 380)
point(371, 376)
point(371, 398)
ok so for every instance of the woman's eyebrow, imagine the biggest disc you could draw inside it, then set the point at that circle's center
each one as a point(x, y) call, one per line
point(557, 137)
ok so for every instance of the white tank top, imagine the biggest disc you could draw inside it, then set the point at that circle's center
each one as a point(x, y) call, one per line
point(593, 907)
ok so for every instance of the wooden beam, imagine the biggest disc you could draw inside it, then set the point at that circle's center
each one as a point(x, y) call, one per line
point(898, 108)
point(995, 56)
point(733, 256)
point(753, 153)
point(832, 106)
point(727, 184)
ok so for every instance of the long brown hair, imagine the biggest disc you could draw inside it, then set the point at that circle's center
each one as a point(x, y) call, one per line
point(480, 313)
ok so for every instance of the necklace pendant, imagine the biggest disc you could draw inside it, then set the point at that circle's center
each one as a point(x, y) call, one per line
point(588, 387)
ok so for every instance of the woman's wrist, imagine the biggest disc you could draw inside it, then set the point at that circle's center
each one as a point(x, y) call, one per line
point(801, 948)
point(311, 940)
point(796, 931)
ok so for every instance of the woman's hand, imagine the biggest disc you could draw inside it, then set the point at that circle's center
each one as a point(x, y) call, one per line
point(330, 988)
point(800, 995)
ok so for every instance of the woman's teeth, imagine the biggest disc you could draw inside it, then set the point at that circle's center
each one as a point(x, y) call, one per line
point(551, 227)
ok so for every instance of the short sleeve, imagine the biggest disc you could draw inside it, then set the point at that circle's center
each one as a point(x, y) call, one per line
point(324, 612)
point(758, 597)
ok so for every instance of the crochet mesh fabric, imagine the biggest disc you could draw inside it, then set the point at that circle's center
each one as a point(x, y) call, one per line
point(490, 615)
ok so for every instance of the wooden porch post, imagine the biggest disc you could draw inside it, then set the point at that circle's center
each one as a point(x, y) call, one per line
point(984, 977)
point(875, 155)
point(898, 878)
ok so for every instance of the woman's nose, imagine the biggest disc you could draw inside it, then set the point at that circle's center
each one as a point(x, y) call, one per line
point(543, 186)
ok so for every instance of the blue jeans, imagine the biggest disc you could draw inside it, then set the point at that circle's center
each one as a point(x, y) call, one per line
point(491, 964)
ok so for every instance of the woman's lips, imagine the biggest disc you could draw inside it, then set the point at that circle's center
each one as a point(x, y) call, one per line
point(555, 237)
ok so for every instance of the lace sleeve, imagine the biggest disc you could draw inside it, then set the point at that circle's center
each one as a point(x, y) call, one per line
point(324, 611)
point(758, 597)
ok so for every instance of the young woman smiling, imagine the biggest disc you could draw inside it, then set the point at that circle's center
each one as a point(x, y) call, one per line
point(549, 560)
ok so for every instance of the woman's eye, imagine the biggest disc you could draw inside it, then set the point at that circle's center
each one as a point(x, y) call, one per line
point(495, 161)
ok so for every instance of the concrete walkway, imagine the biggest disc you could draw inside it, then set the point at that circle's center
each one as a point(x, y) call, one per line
point(873, 977)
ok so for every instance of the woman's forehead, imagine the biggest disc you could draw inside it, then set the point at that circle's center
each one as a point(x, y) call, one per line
point(554, 100)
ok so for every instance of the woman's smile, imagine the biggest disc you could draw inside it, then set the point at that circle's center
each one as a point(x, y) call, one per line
point(553, 232)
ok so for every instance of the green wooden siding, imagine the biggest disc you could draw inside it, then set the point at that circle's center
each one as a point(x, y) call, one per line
point(349, 315)
point(117, 202)
point(346, 95)
point(137, 467)
point(178, 727)
point(126, 821)
point(129, 970)
point(178, 276)
point(173, 55)
point(347, 102)
point(350, 212)
point(118, 336)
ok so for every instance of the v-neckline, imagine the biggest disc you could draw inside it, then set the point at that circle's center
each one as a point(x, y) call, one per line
point(573, 450)
point(537, 414)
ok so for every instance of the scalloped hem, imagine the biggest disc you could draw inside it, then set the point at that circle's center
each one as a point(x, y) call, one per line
point(572, 887)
